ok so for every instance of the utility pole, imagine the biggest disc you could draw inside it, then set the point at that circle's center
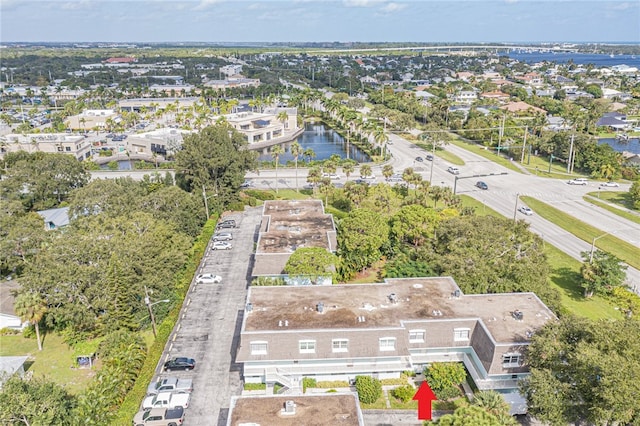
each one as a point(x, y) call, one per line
point(433, 160)
point(153, 319)
point(206, 203)
point(571, 154)
point(524, 143)
point(515, 209)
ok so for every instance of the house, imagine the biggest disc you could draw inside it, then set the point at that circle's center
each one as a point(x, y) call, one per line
point(55, 218)
point(613, 120)
point(341, 331)
point(521, 106)
point(53, 143)
point(465, 97)
point(339, 409)
point(230, 70)
point(556, 124)
point(10, 365)
point(288, 225)
point(498, 95)
point(8, 317)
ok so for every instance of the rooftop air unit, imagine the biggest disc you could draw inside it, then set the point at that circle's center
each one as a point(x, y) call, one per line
point(320, 307)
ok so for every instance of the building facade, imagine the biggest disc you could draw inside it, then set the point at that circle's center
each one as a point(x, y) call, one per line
point(54, 143)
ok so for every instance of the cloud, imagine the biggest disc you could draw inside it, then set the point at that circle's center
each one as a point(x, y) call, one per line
point(392, 7)
point(620, 6)
point(206, 4)
point(361, 3)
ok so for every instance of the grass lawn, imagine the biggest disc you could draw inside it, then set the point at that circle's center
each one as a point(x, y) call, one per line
point(485, 153)
point(397, 404)
point(481, 209)
point(443, 153)
point(56, 361)
point(565, 276)
point(590, 198)
point(623, 250)
point(617, 197)
point(380, 404)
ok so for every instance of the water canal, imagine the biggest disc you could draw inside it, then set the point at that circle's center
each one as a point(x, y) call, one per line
point(324, 141)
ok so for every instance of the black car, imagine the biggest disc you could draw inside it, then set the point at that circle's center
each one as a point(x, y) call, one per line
point(229, 223)
point(480, 184)
point(180, 363)
point(420, 159)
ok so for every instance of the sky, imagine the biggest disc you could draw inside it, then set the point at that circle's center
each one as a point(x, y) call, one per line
point(319, 21)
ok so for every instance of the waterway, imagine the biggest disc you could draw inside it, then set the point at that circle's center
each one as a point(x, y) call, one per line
point(324, 142)
point(598, 60)
point(632, 145)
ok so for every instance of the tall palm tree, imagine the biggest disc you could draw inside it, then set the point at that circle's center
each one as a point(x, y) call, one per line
point(296, 150)
point(348, 168)
point(310, 154)
point(31, 307)
point(283, 117)
point(276, 151)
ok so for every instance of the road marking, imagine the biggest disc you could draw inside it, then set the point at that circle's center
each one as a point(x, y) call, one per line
point(174, 337)
point(178, 327)
point(189, 302)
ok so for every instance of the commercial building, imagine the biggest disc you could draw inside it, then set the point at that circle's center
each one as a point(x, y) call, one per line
point(55, 143)
point(92, 119)
point(264, 126)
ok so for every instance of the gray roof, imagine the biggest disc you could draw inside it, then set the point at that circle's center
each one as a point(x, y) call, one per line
point(11, 364)
point(57, 217)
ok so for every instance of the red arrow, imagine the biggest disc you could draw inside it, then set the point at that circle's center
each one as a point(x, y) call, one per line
point(424, 396)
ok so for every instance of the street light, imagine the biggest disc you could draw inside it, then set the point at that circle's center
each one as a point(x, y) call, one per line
point(593, 245)
point(149, 304)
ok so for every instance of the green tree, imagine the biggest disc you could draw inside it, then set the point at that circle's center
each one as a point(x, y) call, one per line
point(584, 371)
point(369, 389)
point(495, 404)
point(34, 401)
point(601, 272)
point(215, 158)
point(387, 171)
point(348, 168)
point(634, 194)
point(276, 152)
point(414, 224)
point(445, 376)
point(21, 236)
point(31, 308)
point(312, 262)
point(361, 236)
point(365, 171)
point(468, 416)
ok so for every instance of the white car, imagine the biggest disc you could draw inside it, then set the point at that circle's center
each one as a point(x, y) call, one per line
point(454, 170)
point(208, 279)
point(525, 210)
point(610, 184)
point(221, 245)
point(166, 400)
point(331, 176)
point(578, 181)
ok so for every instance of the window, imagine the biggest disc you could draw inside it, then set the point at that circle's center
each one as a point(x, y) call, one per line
point(339, 345)
point(258, 348)
point(511, 360)
point(67, 148)
point(388, 344)
point(307, 346)
point(416, 336)
point(460, 334)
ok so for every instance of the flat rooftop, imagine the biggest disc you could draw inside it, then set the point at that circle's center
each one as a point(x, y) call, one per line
point(310, 410)
point(415, 299)
point(288, 225)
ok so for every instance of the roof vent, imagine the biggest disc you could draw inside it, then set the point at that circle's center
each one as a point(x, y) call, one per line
point(517, 314)
point(320, 307)
point(249, 307)
point(456, 294)
point(393, 298)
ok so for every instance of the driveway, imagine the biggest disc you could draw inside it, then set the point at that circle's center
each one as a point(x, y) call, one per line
point(209, 325)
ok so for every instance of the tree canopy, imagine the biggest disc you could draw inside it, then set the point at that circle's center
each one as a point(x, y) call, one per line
point(313, 262)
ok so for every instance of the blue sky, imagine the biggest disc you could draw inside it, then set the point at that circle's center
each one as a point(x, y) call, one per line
point(319, 20)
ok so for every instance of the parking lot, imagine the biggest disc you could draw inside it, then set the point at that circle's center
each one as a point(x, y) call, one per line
point(209, 325)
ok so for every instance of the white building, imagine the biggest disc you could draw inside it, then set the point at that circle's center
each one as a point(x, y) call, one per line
point(55, 143)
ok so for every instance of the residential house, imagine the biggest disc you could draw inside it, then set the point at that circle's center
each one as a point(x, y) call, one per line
point(614, 121)
point(55, 218)
point(287, 226)
point(10, 365)
point(520, 107)
point(8, 317)
point(497, 95)
point(465, 97)
point(341, 331)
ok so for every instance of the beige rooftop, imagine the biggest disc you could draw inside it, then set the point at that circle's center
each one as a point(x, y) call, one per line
point(388, 304)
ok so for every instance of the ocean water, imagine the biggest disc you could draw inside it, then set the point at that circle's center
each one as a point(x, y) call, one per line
point(598, 60)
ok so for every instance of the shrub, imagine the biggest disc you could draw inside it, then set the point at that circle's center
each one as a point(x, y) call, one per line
point(267, 281)
point(8, 331)
point(368, 388)
point(332, 384)
point(404, 393)
point(255, 386)
point(260, 195)
point(444, 375)
point(447, 393)
point(308, 382)
point(331, 391)
point(276, 388)
point(236, 206)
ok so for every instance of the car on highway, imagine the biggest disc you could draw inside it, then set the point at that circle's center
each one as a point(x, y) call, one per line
point(429, 157)
point(454, 170)
point(221, 245)
point(159, 417)
point(222, 236)
point(245, 184)
point(171, 384)
point(480, 184)
point(525, 210)
point(419, 159)
point(610, 184)
point(331, 176)
point(578, 181)
point(208, 279)
point(166, 400)
point(180, 363)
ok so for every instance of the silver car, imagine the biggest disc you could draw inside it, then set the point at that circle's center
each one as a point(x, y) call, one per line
point(223, 236)
point(221, 245)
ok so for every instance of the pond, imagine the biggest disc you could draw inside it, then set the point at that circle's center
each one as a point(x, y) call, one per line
point(324, 141)
point(632, 144)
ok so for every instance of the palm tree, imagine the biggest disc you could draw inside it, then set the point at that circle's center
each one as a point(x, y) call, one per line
point(283, 117)
point(31, 308)
point(380, 137)
point(296, 150)
point(310, 154)
point(387, 171)
point(365, 170)
point(348, 168)
point(276, 151)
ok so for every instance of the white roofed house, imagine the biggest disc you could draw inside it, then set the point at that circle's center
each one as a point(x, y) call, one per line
point(8, 317)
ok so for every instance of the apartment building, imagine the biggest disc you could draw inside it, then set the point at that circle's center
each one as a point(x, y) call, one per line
point(341, 331)
point(55, 143)
point(264, 126)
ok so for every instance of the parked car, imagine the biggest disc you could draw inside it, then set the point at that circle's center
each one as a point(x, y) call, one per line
point(480, 184)
point(419, 159)
point(172, 384)
point(221, 245)
point(454, 170)
point(166, 400)
point(180, 363)
point(525, 210)
point(208, 279)
point(245, 184)
point(159, 417)
point(429, 157)
point(227, 223)
point(610, 184)
point(222, 236)
point(578, 181)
